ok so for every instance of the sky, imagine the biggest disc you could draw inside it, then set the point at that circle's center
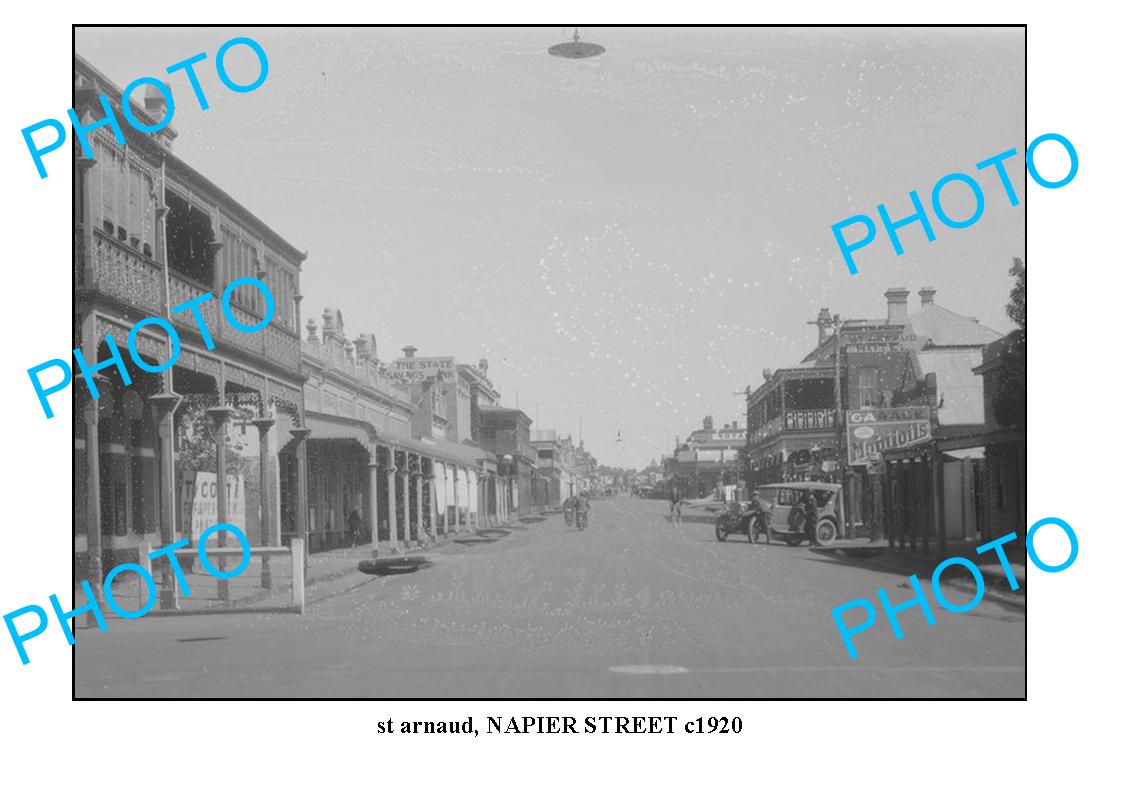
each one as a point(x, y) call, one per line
point(630, 239)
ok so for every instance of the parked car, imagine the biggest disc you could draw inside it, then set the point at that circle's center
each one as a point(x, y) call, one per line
point(735, 518)
point(787, 516)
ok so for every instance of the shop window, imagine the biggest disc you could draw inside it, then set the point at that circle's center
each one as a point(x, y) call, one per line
point(190, 240)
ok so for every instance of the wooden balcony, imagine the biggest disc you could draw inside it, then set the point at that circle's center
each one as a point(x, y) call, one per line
point(126, 275)
point(809, 420)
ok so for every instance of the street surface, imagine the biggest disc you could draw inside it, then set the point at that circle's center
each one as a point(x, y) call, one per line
point(630, 608)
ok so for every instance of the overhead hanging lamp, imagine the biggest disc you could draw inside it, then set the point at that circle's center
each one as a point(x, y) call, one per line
point(576, 48)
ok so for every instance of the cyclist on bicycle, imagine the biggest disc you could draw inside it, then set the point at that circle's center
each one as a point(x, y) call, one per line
point(581, 509)
point(567, 507)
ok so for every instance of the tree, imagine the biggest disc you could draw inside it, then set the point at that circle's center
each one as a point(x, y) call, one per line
point(1010, 387)
point(1016, 308)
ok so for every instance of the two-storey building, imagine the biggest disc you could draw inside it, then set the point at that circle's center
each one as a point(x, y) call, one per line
point(152, 233)
point(899, 381)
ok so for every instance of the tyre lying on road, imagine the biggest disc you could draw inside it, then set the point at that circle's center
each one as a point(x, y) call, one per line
point(393, 565)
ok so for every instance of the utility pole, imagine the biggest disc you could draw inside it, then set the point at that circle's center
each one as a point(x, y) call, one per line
point(843, 453)
point(747, 392)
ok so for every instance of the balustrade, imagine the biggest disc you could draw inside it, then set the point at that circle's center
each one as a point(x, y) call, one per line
point(127, 275)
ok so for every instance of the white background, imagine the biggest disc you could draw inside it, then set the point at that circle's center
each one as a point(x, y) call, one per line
point(1063, 737)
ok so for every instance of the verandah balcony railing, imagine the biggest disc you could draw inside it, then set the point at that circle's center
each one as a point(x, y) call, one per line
point(128, 276)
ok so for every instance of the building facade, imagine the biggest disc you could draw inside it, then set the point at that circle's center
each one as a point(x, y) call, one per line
point(869, 388)
point(152, 234)
point(383, 469)
point(506, 433)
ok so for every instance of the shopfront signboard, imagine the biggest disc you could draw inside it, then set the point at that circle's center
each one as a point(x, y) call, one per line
point(869, 432)
point(411, 369)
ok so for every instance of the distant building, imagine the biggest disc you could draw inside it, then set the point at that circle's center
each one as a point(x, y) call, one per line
point(506, 433)
point(709, 458)
point(555, 463)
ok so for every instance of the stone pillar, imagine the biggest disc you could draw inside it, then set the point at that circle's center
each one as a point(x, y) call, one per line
point(418, 488)
point(392, 499)
point(406, 478)
point(93, 506)
point(456, 499)
point(476, 520)
point(444, 496)
point(263, 425)
point(301, 436)
point(431, 479)
point(374, 502)
point(219, 415)
point(165, 404)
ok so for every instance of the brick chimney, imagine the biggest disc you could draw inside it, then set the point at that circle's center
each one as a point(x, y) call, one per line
point(824, 324)
point(154, 103)
point(898, 299)
point(708, 423)
point(409, 351)
point(927, 296)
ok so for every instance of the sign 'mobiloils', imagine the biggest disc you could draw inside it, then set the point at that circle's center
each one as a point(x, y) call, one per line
point(869, 432)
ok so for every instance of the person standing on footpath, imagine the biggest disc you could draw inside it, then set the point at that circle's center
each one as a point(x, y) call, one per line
point(810, 516)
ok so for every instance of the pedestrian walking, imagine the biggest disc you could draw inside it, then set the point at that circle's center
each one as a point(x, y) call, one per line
point(354, 526)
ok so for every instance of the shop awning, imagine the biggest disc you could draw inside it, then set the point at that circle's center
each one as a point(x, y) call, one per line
point(966, 453)
point(332, 427)
point(464, 455)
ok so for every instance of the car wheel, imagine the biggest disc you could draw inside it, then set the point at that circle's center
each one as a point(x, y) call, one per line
point(826, 532)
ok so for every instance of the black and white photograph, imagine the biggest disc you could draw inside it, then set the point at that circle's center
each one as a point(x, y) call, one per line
point(549, 362)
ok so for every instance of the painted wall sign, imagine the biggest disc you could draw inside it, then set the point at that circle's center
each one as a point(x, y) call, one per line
point(871, 431)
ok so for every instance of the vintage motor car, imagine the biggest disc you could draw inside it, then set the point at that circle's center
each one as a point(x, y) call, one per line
point(785, 515)
point(735, 517)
